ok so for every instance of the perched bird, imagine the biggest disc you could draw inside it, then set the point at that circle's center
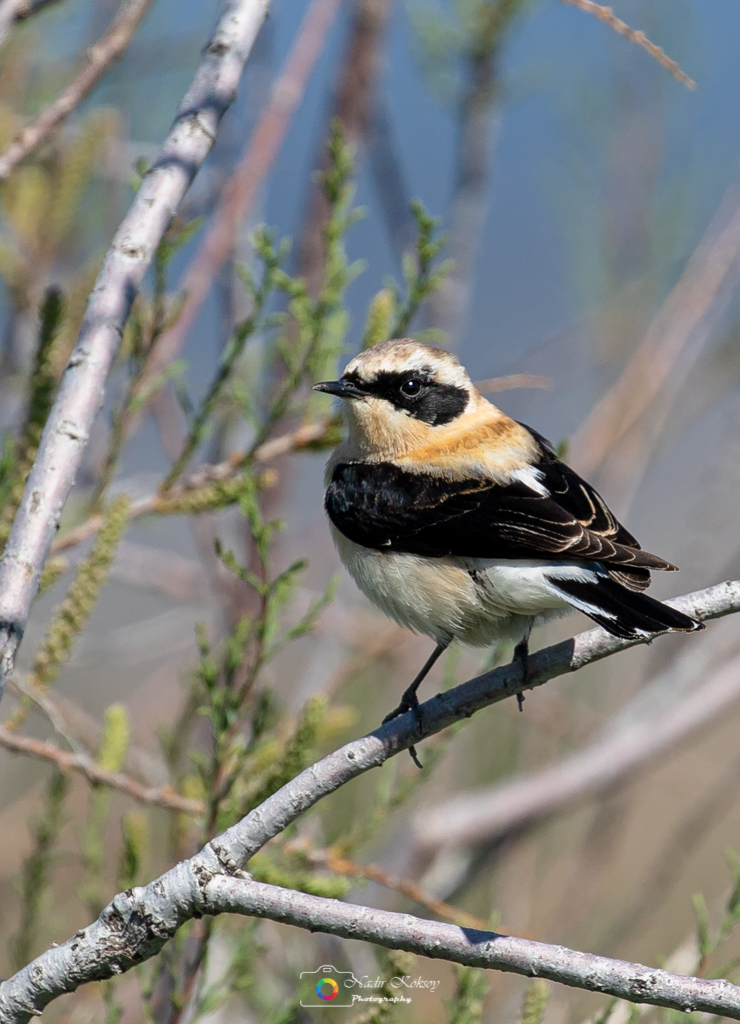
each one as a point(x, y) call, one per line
point(462, 524)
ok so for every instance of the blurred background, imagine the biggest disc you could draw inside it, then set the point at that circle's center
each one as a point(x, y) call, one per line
point(590, 203)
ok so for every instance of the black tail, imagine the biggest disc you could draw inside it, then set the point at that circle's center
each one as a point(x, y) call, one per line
point(622, 612)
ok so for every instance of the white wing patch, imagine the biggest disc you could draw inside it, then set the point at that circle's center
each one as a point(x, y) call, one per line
point(531, 477)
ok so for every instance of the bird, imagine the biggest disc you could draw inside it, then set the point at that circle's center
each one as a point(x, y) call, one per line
point(462, 524)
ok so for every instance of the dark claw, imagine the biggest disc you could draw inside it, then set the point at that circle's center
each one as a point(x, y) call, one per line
point(409, 702)
point(521, 657)
point(414, 758)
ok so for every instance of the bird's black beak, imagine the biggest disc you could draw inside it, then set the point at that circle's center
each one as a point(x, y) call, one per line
point(340, 388)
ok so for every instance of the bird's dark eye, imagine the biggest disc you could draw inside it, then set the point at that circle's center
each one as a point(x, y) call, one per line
point(411, 388)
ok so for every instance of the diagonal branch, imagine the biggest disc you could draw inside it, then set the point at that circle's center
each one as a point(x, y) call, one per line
point(607, 15)
point(403, 886)
point(81, 393)
point(27, 8)
point(224, 894)
point(243, 186)
point(77, 761)
point(138, 923)
point(667, 342)
point(302, 437)
point(99, 58)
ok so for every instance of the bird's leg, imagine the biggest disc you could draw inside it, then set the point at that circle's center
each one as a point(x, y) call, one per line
point(409, 699)
point(521, 656)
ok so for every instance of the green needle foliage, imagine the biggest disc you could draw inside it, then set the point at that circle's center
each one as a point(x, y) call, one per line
point(17, 458)
point(73, 613)
point(466, 1006)
point(534, 1002)
point(395, 964)
point(421, 274)
point(255, 323)
point(111, 755)
point(37, 870)
point(237, 740)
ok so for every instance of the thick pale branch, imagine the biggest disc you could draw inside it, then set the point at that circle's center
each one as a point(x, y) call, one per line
point(81, 393)
point(99, 58)
point(473, 948)
point(137, 924)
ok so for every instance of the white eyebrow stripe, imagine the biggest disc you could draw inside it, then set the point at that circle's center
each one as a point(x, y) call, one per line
point(531, 477)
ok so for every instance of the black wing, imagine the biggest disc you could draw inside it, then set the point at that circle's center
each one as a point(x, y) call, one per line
point(382, 506)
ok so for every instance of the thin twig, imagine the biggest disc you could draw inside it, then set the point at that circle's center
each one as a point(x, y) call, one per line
point(71, 761)
point(294, 440)
point(609, 18)
point(477, 125)
point(352, 105)
point(138, 923)
point(666, 341)
point(243, 186)
point(47, 706)
point(81, 393)
point(99, 58)
point(403, 886)
point(8, 15)
point(513, 381)
point(27, 8)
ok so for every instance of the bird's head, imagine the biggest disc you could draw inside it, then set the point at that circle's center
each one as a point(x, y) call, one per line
point(401, 394)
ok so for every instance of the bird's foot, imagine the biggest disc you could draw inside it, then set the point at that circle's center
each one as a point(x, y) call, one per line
point(521, 658)
point(409, 702)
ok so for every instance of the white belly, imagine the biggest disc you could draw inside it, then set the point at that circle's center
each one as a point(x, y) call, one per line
point(440, 598)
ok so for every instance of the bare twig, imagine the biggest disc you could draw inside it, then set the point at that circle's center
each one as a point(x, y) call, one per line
point(71, 761)
point(373, 873)
point(449, 304)
point(81, 393)
point(513, 381)
point(137, 924)
point(609, 761)
point(18, 10)
point(242, 188)
point(294, 440)
point(666, 340)
point(609, 18)
point(353, 106)
point(8, 15)
point(48, 708)
point(99, 58)
point(27, 8)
